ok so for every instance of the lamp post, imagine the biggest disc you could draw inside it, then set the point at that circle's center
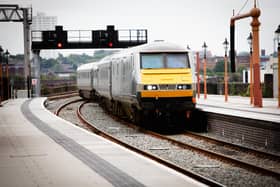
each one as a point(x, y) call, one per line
point(255, 13)
point(204, 70)
point(226, 69)
point(198, 72)
point(1, 77)
point(250, 42)
point(6, 54)
point(277, 36)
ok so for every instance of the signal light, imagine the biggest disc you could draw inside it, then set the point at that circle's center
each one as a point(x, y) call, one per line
point(59, 45)
point(110, 44)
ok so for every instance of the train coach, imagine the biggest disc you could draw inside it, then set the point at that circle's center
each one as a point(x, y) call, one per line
point(151, 80)
point(85, 80)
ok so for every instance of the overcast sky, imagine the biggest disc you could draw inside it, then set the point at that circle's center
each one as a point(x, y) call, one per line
point(188, 22)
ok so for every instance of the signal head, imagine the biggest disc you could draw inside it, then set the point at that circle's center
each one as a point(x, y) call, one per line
point(59, 45)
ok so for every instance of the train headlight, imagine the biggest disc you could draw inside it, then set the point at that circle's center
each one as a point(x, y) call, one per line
point(150, 87)
point(154, 87)
point(184, 86)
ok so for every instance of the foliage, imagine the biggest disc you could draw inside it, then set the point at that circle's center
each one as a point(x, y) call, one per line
point(209, 72)
point(58, 67)
point(219, 67)
point(48, 63)
point(101, 54)
point(240, 69)
point(52, 65)
point(18, 57)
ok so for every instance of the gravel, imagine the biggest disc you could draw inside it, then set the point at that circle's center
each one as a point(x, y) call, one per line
point(229, 151)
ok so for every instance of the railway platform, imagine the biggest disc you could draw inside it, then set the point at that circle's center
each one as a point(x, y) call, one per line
point(240, 107)
point(38, 148)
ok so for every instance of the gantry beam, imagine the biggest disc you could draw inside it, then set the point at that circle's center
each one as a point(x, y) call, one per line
point(12, 13)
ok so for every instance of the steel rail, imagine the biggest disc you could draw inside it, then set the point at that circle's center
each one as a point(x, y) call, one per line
point(63, 95)
point(66, 104)
point(219, 156)
point(186, 172)
point(234, 146)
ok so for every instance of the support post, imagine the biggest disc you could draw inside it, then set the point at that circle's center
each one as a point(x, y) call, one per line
point(205, 79)
point(197, 75)
point(226, 78)
point(232, 46)
point(279, 75)
point(36, 73)
point(255, 12)
point(8, 82)
point(1, 81)
point(26, 37)
point(251, 80)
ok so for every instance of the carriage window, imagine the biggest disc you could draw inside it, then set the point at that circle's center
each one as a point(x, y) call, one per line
point(151, 61)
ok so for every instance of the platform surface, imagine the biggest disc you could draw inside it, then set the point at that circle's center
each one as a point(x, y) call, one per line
point(240, 107)
point(40, 149)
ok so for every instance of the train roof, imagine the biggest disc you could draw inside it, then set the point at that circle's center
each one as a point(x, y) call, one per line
point(159, 46)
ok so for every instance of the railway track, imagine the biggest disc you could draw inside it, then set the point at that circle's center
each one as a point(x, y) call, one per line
point(220, 152)
point(236, 147)
point(63, 95)
point(93, 128)
point(178, 141)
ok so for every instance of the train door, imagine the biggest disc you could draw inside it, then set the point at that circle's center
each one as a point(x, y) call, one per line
point(91, 79)
point(110, 77)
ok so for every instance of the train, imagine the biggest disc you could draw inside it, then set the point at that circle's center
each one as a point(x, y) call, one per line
point(148, 81)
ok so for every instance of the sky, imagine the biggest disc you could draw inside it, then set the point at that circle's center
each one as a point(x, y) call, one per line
point(186, 22)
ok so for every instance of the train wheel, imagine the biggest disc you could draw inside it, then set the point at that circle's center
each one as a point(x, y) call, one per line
point(118, 109)
point(114, 108)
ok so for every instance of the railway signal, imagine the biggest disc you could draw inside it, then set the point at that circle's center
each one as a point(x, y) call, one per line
point(54, 39)
point(109, 38)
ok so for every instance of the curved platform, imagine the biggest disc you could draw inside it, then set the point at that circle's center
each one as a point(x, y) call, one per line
point(243, 123)
point(38, 148)
point(240, 107)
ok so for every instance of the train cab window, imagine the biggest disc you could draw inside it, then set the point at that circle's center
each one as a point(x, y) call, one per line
point(152, 61)
point(177, 61)
point(164, 60)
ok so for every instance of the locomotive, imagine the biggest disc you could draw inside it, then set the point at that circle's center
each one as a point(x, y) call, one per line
point(150, 80)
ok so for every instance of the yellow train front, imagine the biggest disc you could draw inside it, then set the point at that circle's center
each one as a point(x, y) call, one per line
point(166, 84)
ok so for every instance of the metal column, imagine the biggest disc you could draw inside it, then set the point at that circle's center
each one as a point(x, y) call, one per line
point(36, 73)
point(27, 47)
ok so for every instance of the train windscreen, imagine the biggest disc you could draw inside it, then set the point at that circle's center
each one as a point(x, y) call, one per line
point(164, 60)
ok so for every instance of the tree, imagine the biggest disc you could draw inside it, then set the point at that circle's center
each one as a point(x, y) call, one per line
point(48, 63)
point(219, 67)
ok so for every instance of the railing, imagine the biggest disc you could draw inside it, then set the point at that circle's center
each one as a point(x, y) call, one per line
point(133, 35)
point(81, 36)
